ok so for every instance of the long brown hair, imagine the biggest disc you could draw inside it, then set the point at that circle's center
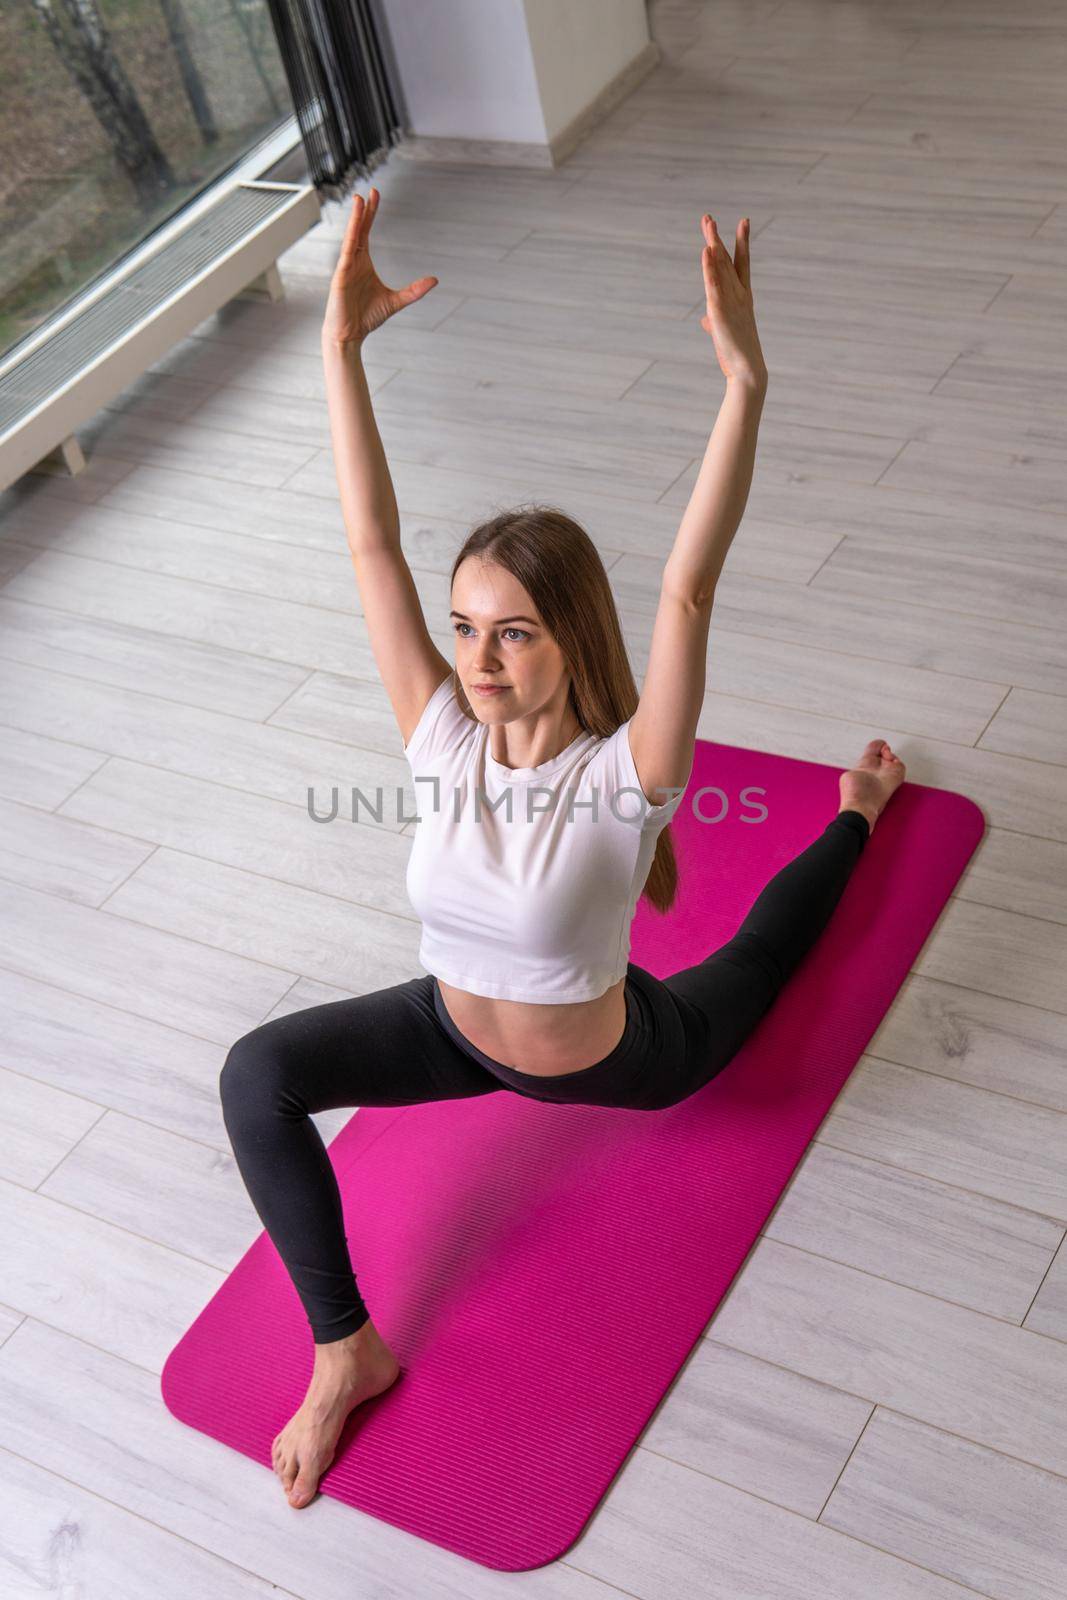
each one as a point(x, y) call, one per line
point(560, 568)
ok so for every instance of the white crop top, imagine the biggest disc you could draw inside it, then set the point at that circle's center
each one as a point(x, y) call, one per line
point(533, 903)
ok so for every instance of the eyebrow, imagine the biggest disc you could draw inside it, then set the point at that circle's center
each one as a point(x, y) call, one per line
point(499, 620)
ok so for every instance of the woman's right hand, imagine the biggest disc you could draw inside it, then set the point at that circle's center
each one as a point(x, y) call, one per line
point(730, 318)
point(359, 301)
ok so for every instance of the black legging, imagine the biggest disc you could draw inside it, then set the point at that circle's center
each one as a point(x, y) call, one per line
point(399, 1046)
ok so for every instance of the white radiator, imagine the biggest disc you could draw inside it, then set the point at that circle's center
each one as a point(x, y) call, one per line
point(77, 363)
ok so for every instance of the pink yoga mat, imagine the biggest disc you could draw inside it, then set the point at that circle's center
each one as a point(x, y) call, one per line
point(541, 1271)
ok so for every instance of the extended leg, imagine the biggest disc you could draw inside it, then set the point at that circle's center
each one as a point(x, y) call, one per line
point(722, 997)
point(792, 909)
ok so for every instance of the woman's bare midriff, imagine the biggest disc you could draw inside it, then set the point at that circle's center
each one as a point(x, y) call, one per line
point(542, 1039)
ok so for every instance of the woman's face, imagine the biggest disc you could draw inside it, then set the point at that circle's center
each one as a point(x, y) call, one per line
point(500, 639)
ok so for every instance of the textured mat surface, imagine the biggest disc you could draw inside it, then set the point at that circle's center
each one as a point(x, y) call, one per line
point(542, 1272)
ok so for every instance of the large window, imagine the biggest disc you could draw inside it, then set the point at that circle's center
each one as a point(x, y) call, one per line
point(114, 114)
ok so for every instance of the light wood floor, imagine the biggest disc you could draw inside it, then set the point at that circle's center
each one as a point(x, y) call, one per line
point(879, 1408)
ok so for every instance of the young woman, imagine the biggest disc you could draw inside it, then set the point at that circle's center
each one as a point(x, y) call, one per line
point(525, 902)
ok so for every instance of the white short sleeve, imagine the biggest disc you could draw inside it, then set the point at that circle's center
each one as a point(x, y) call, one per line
point(615, 770)
point(442, 728)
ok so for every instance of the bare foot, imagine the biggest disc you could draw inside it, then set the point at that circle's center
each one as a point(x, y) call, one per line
point(347, 1372)
point(869, 785)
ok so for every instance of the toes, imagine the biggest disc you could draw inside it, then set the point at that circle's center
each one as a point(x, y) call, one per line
point(302, 1491)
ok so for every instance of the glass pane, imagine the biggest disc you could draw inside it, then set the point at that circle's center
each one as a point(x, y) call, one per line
point(110, 124)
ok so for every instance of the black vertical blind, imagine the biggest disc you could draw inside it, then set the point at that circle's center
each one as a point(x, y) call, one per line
point(336, 62)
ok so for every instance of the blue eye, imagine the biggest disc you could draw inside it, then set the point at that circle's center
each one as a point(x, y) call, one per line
point(520, 631)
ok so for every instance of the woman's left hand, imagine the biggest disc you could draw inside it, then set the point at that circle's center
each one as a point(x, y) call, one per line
point(730, 318)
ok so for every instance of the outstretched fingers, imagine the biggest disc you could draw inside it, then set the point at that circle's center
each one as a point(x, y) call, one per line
point(716, 257)
point(359, 225)
point(709, 258)
point(370, 211)
point(742, 262)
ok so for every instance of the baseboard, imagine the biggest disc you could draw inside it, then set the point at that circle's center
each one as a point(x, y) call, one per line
point(512, 153)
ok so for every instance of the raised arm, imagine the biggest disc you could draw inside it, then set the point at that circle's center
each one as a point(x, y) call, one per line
point(663, 729)
point(410, 664)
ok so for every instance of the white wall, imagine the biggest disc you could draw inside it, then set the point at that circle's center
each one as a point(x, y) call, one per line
point(578, 46)
point(510, 70)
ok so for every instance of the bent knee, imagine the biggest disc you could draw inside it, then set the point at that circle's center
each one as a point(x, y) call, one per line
point(255, 1072)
